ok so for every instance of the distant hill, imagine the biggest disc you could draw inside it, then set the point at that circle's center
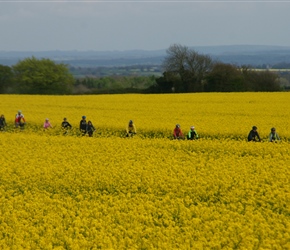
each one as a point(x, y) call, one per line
point(236, 54)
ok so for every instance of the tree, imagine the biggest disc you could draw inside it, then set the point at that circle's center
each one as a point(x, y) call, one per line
point(6, 78)
point(225, 78)
point(188, 65)
point(168, 83)
point(43, 76)
point(263, 80)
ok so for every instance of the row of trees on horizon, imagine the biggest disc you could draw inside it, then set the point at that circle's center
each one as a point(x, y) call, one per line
point(185, 71)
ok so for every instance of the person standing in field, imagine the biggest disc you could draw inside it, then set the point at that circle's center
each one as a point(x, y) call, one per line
point(131, 129)
point(47, 124)
point(83, 125)
point(19, 120)
point(65, 125)
point(192, 134)
point(177, 133)
point(90, 129)
point(2, 122)
point(273, 136)
point(254, 135)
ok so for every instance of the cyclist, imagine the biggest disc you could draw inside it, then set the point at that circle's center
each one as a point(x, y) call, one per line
point(65, 125)
point(47, 124)
point(83, 125)
point(254, 135)
point(273, 136)
point(192, 134)
point(131, 129)
point(177, 133)
point(2, 122)
point(90, 129)
point(19, 120)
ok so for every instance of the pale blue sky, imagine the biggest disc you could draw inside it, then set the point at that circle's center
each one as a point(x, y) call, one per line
point(146, 25)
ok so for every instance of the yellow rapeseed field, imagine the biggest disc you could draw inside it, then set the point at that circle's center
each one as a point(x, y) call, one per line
point(148, 192)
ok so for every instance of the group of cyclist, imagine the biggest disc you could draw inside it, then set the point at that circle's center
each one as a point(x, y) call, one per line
point(19, 121)
point(254, 135)
point(191, 135)
point(88, 128)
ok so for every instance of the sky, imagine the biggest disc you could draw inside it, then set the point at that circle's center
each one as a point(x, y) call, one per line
point(146, 25)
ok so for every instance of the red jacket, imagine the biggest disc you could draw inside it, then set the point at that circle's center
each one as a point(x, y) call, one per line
point(19, 118)
point(177, 132)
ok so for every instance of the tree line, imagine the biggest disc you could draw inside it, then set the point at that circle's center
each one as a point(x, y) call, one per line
point(184, 70)
point(34, 76)
point(43, 76)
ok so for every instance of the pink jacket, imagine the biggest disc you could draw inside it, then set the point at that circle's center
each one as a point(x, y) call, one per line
point(47, 124)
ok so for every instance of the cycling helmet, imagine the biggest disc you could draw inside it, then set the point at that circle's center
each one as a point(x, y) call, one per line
point(84, 117)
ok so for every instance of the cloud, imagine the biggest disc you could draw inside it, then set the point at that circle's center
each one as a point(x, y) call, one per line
point(139, 25)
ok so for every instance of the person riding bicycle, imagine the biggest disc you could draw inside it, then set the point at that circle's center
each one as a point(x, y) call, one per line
point(90, 129)
point(273, 136)
point(177, 133)
point(254, 135)
point(65, 125)
point(83, 125)
point(19, 120)
point(192, 134)
point(47, 124)
point(131, 129)
point(2, 122)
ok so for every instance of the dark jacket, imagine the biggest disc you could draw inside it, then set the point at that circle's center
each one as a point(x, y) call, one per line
point(253, 136)
point(90, 128)
point(83, 125)
point(65, 124)
point(2, 122)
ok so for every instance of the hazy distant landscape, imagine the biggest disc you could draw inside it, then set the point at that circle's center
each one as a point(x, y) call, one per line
point(255, 55)
point(144, 71)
